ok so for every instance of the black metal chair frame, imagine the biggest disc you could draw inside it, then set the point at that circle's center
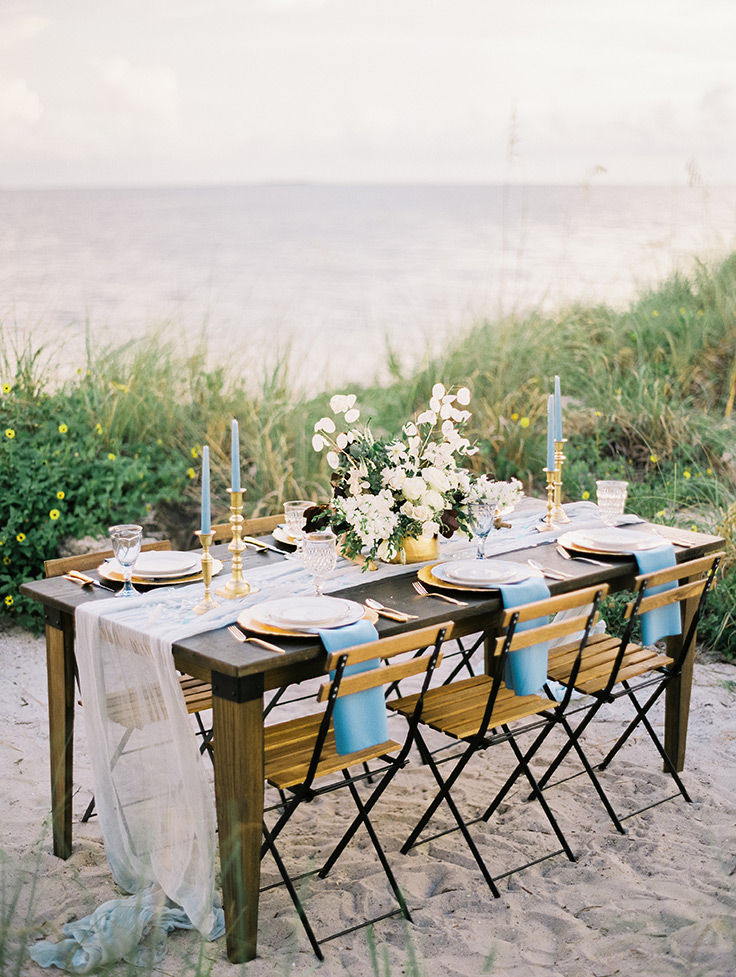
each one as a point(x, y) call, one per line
point(306, 791)
point(660, 679)
point(546, 720)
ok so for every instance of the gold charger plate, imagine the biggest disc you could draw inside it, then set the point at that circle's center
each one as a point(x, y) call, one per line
point(107, 574)
point(426, 576)
point(249, 622)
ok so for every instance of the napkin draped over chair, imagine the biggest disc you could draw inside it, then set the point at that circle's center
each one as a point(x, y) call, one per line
point(525, 671)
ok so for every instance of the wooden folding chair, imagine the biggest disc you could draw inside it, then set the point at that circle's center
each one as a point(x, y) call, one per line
point(481, 711)
point(614, 668)
point(197, 694)
point(301, 751)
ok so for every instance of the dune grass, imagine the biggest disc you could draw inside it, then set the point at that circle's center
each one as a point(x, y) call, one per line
point(649, 396)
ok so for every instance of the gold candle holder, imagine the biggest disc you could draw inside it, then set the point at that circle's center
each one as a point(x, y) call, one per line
point(558, 514)
point(209, 603)
point(236, 586)
point(551, 474)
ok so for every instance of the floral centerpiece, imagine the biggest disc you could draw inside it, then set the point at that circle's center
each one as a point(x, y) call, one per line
point(412, 487)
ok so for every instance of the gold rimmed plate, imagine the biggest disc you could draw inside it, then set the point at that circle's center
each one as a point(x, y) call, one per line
point(610, 542)
point(108, 572)
point(248, 621)
point(426, 576)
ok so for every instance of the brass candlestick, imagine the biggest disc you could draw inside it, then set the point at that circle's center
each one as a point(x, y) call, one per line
point(551, 474)
point(236, 586)
point(209, 603)
point(558, 514)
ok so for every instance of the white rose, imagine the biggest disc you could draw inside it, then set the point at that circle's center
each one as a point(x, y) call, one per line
point(430, 529)
point(422, 513)
point(434, 500)
point(436, 479)
point(414, 488)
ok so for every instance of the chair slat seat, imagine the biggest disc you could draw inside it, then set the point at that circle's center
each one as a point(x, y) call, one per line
point(597, 666)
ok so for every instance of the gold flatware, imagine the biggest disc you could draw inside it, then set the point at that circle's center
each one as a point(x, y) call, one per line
point(423, 592)
point(389, 612)
point(545, 571)
point(239, 636)
point(84, 581)
point(579, 559)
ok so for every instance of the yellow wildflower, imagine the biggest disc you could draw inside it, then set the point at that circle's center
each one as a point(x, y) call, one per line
point(98, 427)
point(686, 474)
point(700, 312)
point(598, 414)
point(654, 459)
point(514, 416)
point(194, 453)
point(20, 537)
point(683, 310)
point(191, 473)
point(63, 429)
point(9, 601)
point(54, 514)
point(585, 495)
point(654, 313)
point(7, 561)
point(708, 471)
point(59, 495)
point(111, 456)
point(9, 433)
point(7, 388)
point(524, 422)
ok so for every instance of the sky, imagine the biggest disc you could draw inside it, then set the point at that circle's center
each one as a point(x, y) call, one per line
point(211, 92)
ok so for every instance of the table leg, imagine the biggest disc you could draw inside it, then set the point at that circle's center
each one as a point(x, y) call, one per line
point(237, 722)
point(677, 696)
point(60, 677)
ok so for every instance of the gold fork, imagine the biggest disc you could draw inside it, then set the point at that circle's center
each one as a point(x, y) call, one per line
point(423, 592)
point(239, 636)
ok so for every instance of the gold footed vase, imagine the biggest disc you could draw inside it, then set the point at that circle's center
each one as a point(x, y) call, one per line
point(419, 550)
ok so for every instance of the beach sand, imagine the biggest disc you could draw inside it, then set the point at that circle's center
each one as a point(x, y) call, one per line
point(660, 900)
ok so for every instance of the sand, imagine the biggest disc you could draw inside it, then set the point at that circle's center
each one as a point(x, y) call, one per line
point(660, 900)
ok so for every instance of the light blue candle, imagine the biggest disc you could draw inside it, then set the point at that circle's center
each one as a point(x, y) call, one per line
point(206, 524)
point(550, 433)
point(235, 456)
point(558, 411)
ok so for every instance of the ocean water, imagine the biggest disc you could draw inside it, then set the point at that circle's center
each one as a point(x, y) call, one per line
point(334, 273)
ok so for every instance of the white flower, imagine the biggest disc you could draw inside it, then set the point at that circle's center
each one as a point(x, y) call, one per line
point(448, 428)
point(414, 488)
point(463, 396)
point(352, 415)
point(342, 441)
point(447, 411)
point(430, 529)
point(318, 442)
point(438, 391)
point(341, 403)
point(333, 459)
point(436, 479)
point(427, 417)
point(410, 429)
point(396, 451)
point(325, 424)
point(422, 513)
point(435, 404)
point(394, 478)
point(434, 500)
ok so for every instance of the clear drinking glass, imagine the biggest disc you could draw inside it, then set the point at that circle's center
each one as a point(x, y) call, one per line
point(126, 545)
point(296, 520)
point(319, 556)
point(480, 519)
point(611, 500)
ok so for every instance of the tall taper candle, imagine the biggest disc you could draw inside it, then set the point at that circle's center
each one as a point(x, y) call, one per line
point(550, 433)
point(235, 453)
point(558, 411)
point(206, 527)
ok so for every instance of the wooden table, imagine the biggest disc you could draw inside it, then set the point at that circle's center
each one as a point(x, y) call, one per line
point(241, 673)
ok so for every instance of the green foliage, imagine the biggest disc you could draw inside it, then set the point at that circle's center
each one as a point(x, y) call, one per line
point(649, 396)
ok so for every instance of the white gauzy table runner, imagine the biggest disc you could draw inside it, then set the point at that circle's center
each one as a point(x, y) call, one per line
point(152, 791)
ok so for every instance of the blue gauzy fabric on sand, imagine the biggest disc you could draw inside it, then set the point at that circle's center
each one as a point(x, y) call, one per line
point(526, 669)
point(359, 718)
point(662, 621)
point(132, 929)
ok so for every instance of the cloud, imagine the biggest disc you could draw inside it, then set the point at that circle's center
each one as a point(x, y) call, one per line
point(140, 89)
point(20, 106)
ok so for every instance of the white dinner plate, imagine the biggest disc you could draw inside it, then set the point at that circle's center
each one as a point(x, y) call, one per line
point(282, 534)
point(160, 564)
point(309, 613)
point(481, 573)
point(610, 541)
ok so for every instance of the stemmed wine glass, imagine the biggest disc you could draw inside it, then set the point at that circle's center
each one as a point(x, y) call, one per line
point(319, 556)
point(480, 520)
point(126, 545)
point(294, 515)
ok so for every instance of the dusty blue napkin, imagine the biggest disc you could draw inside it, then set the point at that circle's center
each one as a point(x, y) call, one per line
point(359, 718)
point(526, 669)
point(662, 621)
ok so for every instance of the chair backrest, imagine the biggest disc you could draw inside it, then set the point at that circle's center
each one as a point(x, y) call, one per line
point(692, 579)
point(260, 526)
point(89, 561)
